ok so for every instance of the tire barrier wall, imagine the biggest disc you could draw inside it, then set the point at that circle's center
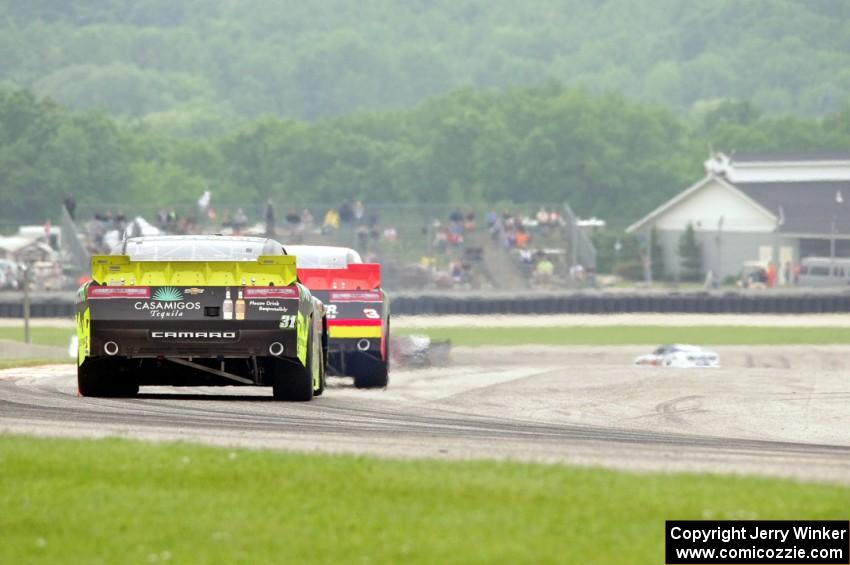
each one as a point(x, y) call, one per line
point(622, 304)
point(38, 309)
point(554, 304)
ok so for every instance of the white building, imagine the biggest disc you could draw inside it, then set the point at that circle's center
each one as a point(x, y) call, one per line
point(778, 208)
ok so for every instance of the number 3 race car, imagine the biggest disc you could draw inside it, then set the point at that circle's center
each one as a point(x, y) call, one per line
point(358, 311)
point(199, 310)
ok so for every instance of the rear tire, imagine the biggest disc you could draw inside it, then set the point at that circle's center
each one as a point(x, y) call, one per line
point(105, 378)
point(291, 381)
point(369, 372)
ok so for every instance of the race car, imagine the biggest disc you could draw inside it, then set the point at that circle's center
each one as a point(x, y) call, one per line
point(199, 310)
point(358, 311)
point(680, 356)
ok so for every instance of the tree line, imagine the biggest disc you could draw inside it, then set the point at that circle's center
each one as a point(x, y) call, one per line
point(196, 67)
point(607, 156)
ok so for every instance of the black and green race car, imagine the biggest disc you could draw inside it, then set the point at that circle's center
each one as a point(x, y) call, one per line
point(199, 310)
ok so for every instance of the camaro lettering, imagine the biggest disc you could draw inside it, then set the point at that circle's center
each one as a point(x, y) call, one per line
point(192, 335)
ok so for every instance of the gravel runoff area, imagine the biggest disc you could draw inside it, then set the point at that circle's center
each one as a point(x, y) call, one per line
point(771, 410)
point(555, 320)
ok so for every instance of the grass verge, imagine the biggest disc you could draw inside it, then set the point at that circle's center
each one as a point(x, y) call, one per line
point(30, 362)
point(636, 335)
point(58, 337)
point(116, 501)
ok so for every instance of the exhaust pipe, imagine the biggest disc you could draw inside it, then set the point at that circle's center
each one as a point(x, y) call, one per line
point(110, 348)
point(276, 349)
point(363, 345)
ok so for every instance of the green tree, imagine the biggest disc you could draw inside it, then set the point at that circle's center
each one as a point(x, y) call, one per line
point(690, 256)
point(659, 271)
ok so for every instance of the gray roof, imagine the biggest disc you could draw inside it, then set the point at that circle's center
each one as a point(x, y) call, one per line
point(778, 156)
point(807, 207)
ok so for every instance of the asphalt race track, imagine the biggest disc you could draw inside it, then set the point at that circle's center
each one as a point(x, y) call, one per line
point(771, 410)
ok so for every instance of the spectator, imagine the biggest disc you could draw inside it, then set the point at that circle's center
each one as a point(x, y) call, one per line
point(359, 211)
point(441, 241)
point(455, 235)
point(362, 234)
point(270, 219)
point(307, 218)
point(522, 238)
point(346, 213)
point(390, 234)
point(456, 271)
point(373, 219)
point(240, 221)
point(544, 270)
point(456, 216)
point(469, 222)
point(491, 219)
point(293, 218)
point(71, 206)
point(331, 221)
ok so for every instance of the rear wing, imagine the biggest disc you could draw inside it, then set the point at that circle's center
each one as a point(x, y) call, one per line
point(267, 270)
point(357, 276)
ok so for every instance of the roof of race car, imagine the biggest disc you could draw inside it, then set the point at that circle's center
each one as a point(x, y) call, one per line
point(323, 256)
point(674, 347)
point(197, 248)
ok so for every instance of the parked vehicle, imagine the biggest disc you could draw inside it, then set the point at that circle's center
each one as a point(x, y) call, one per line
point(753, 275)
point(824, 272)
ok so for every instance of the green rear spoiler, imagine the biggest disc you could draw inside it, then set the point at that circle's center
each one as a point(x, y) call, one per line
point(267, 270)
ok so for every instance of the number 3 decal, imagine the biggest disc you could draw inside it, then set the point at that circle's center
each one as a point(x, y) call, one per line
point(371, 313)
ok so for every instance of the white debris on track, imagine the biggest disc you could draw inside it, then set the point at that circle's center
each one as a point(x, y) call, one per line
point(37, 372)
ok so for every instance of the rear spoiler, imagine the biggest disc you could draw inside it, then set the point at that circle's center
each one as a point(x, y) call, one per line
point(357, 276)
point(267, 270)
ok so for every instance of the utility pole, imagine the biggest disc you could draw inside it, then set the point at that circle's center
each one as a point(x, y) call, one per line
point(832, 246)
point(720, 249)
point(839, 199)
point(647, 267)
point(27, 269)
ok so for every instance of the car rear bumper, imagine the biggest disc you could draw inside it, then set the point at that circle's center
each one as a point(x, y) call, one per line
point(191, 339)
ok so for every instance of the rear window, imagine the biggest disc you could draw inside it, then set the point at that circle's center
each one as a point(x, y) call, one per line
point(308, 257)
point(199, 250)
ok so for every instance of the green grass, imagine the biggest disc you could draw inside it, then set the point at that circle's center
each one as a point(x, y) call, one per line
point(571, 335)
point(116, 501)
point(31, 362)
point(636, 335)
point(40, 335)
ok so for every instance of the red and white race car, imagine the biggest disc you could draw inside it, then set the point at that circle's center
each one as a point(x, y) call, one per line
point(357, 310)
point(680, 356)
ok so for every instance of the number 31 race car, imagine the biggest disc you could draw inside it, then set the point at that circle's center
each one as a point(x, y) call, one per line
point(358, 311)
point(199, 310)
